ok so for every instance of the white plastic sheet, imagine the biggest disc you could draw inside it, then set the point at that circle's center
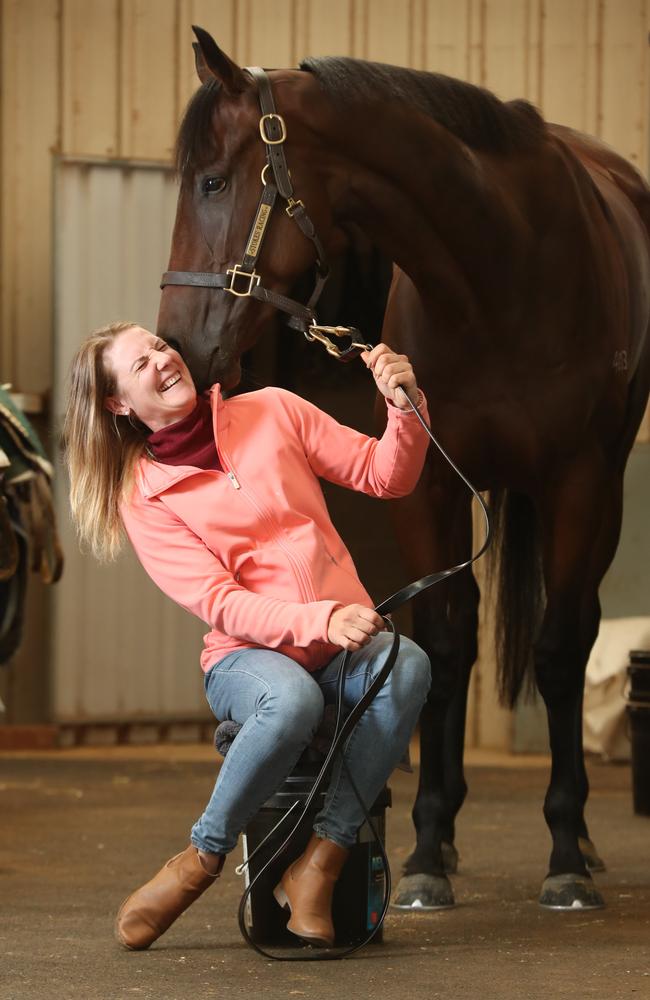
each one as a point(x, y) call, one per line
point(604, 718)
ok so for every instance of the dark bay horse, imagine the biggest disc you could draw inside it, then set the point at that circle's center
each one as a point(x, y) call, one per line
point(521, 294)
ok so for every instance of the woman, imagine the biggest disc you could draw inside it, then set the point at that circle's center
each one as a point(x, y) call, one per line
point(221, 502)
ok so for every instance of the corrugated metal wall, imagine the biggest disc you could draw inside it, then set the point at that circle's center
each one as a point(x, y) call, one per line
point(109, 79)
point(121, 649)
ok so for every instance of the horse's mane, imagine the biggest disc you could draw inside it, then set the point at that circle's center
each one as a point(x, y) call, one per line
point(473, 114)
point(195, 139)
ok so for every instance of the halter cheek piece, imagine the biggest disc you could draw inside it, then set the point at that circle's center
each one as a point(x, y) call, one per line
point(242, 280)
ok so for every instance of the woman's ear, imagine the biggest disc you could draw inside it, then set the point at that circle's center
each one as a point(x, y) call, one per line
point(116, 405)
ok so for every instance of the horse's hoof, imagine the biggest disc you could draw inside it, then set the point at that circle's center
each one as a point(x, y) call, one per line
point(423, 892)
point(570, 892)
point(593, 860)
point(449, 858)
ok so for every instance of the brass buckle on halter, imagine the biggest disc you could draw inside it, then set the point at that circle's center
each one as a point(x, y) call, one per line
point(316, 332)
point(283, 127)
point(292, 205)
point(237, 272)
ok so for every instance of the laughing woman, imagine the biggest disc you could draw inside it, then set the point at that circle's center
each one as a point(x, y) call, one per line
point(221, 501)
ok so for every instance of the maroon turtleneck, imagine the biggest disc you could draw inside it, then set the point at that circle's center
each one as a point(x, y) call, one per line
point(188, 441)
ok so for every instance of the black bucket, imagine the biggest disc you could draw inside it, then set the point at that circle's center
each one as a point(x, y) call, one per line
point(639, 675)
point(638, 713)
point(359, 892)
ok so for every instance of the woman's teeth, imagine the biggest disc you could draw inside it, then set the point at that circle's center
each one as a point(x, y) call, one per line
point(170, 382)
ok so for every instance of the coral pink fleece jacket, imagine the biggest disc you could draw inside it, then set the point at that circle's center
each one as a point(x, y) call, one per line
point(252, 550)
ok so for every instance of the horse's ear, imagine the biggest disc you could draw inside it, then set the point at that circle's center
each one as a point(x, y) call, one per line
point(213, 64)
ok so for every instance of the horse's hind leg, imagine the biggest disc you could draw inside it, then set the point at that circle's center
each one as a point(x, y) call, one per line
point(445, 626)
point(602, 553)
point(580, 528)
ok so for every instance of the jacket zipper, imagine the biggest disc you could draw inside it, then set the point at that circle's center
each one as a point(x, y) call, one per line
point(294, 558)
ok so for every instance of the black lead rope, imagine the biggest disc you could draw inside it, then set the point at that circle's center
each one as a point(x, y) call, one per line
point(342, 732)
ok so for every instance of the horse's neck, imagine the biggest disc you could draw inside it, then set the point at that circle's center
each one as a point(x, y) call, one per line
point(431, 204)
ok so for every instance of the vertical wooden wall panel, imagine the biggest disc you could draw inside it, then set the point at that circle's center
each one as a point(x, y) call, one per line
point(476, 15)
point(149, 79)
point(645, 157)
point(593, 98)
point(506, 47)
point(387, 25)
point(568, 52)
point(624, 78)
point(7, 264)
point(90, 70)
point(534, 57)
point(445, 36)
point(267, 32)
point(30, 130)
point(324, 29)
point(644, 165)
point(359, 28)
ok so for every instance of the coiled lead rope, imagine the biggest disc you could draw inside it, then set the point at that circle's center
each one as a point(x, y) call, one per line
point(343, 730)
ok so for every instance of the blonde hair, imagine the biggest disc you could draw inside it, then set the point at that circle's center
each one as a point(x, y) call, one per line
point(101, 449)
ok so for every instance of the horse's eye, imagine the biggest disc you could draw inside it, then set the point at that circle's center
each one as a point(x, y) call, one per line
point(213, 185)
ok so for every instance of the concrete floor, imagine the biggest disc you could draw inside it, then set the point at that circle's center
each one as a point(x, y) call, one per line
point(80, 829)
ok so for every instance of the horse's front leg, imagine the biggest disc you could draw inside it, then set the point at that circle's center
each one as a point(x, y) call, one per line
point(579, 540)
point(588, 849)
point(434, 531)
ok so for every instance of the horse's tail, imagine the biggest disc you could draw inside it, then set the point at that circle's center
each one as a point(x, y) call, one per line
point(517, 567)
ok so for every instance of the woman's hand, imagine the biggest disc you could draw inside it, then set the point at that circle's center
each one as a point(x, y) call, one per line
point(353, 626)
point(389, 371)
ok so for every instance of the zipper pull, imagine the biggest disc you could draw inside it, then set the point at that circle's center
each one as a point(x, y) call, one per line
point(233, 479)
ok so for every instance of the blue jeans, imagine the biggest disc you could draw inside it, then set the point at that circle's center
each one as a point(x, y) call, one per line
point(280, 706)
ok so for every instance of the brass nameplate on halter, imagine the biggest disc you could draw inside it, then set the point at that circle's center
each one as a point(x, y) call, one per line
point(258, 230)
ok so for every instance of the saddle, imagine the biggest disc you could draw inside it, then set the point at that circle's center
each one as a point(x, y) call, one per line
point(28, 534)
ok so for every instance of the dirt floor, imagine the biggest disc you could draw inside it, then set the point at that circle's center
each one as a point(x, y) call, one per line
point(80, 829)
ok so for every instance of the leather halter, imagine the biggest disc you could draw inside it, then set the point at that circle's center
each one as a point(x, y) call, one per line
point(242, 280)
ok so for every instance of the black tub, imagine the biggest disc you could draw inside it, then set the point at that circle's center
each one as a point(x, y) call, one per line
point(638, 713)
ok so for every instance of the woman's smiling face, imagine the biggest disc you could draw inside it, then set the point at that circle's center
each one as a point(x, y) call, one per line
point(152, 379)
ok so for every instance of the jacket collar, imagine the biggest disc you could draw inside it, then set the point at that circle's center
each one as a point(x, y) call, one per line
point(154, 477)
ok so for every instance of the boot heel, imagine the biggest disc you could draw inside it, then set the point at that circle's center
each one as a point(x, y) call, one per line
point(281, 897)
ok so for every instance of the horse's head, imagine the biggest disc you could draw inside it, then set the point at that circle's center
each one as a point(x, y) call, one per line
point(222, 150)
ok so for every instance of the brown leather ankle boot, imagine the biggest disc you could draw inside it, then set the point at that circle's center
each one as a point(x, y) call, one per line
point(307, 887)
point(151, 909)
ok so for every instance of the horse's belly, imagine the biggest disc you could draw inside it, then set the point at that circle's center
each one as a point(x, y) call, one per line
point(632, 238)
